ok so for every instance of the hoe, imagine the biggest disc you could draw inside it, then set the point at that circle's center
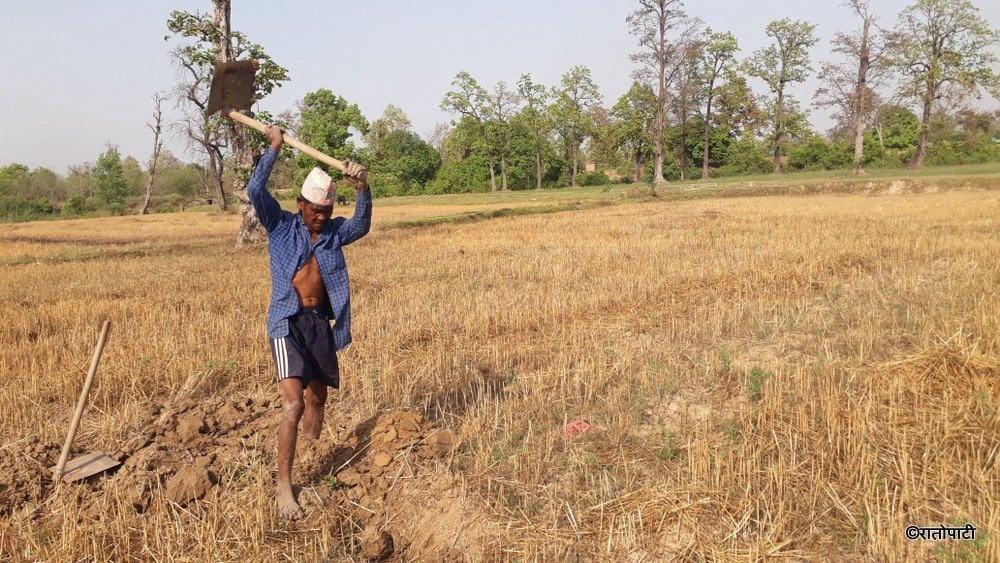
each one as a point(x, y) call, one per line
point(232, 94)
point(93, 463)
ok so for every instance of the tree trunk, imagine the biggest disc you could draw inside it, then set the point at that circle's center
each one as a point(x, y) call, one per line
point(917, 161)
point(708, 134)
point(493, 178)
point(859, 146)
point(157, 145)
point(538, 170)
point(576, 166)
point(658, 145)
point(779, 129)
point(503, 172)
point(250, 231)
point(859, 101)
point(637, 172)
point(682, 157)
point(215, 170)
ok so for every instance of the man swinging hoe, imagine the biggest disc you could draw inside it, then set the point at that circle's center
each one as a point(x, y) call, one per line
point(309, 285)
point(309, 288)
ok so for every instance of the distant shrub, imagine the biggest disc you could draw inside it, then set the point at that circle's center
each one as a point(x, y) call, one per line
point(818, 154)
point(384, 184)
point(746, 156)
point(76, 205)
point(24, 209)
point(977, 150)
point(461, 176)
point(598, 178)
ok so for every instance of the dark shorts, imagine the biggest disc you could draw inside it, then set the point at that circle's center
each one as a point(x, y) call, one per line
point(308, 352)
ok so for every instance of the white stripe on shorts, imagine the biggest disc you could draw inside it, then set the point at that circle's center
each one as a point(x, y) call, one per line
point(281, 357)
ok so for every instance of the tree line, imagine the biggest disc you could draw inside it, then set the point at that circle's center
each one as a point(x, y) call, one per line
point(899, 96)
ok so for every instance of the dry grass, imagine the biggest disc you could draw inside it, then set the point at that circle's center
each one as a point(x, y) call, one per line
point(778, 376)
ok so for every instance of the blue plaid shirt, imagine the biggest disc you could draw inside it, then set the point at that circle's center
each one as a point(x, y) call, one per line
point(290, 246)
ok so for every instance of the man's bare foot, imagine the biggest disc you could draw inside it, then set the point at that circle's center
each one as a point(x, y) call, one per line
point(288, 508)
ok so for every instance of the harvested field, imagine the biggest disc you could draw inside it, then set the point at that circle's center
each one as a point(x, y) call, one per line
point(780, 376)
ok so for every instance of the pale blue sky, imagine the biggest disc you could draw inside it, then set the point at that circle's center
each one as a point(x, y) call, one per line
point(79, 74)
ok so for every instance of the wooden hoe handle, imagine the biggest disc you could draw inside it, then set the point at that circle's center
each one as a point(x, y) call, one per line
point(251, 122)
point(82, 403)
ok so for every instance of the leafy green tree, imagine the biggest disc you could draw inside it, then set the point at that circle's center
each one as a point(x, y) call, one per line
point(523, 154)
point(399, 161)
point(602, 149)
point(746, 156)
point(780, 64)
point(500, 106)
point(942, 49)
point(718, 55)
point(635, 114)
point(393, 119)
point(897, 128)
point(13, 179)
point(535, 120)
point(462, 141)
point(574, 98)
point(467, 175)
point(133, 174)
point(411, 159)
point(470, 100)
point(325, 123)
point(46, 183)
point(186, 181)
point(816, 153)
point(110, 185)
point(739, 111)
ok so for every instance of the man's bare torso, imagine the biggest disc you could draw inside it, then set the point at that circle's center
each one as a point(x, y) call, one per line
point(309, 285)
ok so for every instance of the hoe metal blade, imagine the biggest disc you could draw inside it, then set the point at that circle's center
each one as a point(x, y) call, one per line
point(232, 86)
point(87, 465)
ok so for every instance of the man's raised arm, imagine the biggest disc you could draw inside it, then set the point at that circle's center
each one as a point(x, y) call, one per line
point(357, 226)
point(268, 209)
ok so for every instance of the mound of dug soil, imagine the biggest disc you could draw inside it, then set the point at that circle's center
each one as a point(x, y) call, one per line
point(383, 475)
point(24, 477)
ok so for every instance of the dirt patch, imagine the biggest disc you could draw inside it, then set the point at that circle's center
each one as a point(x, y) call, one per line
point(24, 475)
point(386, 475)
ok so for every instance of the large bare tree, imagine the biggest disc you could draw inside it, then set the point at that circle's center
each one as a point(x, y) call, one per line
point(850, 86)
point(157, 128)
point(653, 23)
point(215, 42)
point(201, 130)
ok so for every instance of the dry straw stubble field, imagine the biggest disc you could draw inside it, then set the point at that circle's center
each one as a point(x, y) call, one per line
point(797, 376)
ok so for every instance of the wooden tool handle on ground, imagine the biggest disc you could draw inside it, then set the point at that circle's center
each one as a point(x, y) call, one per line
point(251, 122)
point(82, 403)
